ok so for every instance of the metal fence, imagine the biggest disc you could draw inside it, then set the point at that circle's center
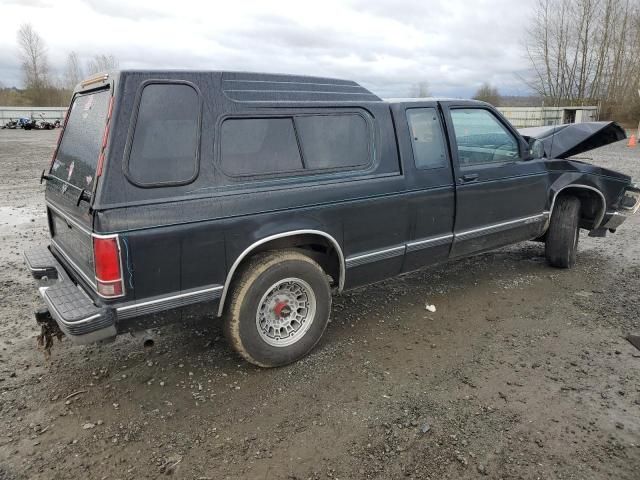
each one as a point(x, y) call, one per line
point(37, 113)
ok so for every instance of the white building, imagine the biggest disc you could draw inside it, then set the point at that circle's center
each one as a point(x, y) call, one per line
point(522, 117)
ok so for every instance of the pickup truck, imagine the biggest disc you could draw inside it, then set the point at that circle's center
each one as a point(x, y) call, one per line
point(259, 196)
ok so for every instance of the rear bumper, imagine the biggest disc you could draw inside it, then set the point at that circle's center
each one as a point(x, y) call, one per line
point(81, 320)
point(85, 320)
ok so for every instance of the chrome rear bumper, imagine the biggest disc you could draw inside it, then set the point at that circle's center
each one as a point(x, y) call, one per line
point(81, 320)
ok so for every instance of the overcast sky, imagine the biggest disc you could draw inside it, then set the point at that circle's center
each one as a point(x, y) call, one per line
point(387, 45)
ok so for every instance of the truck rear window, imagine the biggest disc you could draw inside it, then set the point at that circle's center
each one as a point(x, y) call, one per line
point(77, 155)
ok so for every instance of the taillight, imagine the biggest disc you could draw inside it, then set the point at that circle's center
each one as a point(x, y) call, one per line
point(106, 256)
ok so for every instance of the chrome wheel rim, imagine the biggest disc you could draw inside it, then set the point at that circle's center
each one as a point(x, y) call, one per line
point(285, 312)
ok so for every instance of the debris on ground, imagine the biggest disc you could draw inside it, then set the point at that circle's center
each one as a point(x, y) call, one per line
point(49, 330)
point(74, 394)
point(170, 465)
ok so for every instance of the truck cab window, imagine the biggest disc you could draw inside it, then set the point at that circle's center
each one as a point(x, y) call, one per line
point(426, 138)
point(481, 138)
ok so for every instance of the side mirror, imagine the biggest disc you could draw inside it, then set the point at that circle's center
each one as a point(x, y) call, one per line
point(536, 149)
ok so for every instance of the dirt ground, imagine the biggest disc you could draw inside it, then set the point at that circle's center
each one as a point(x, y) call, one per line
point(522, 372)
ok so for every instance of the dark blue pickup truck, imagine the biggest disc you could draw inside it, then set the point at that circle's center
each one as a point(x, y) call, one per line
point(259, 196)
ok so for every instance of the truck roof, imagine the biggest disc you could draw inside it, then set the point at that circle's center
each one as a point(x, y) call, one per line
point(275, 87)
point(269, 87)
point(428, 99)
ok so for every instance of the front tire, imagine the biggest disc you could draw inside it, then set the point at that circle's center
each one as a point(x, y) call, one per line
point(279, 308)
point(564, 230)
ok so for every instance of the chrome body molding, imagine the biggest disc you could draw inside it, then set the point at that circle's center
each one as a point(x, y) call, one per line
point(437, 240)
point(262, 241)
point(429, 242)
point(498, 227)
point(375, 256)
point(167, 302)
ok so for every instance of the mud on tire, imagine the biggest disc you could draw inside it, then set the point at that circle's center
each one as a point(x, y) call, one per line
point(279, 308)
point(561, 244)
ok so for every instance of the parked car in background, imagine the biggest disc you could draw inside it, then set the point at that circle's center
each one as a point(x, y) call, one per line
point(261, 195)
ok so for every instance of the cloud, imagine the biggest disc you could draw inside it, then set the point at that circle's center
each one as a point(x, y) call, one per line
point(387, 45)
point(118, 8)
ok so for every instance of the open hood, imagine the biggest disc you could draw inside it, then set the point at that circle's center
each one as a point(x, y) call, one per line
point(562, 141)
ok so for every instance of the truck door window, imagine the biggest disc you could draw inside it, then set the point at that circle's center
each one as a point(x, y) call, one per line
point(482, 138)
point(426, 138)
point(165, 145)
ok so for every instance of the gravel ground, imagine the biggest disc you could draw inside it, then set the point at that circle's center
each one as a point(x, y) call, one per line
point(522, 372)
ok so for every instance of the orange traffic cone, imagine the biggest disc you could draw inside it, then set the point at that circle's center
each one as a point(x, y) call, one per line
point(632, 142)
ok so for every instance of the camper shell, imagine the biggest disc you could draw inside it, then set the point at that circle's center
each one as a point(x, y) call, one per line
point(166, 185)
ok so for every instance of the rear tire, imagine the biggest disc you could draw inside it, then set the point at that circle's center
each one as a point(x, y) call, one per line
point(564, 230)
point(279, 308)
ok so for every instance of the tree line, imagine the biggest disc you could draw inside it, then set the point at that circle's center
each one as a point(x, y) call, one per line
point(43, 86)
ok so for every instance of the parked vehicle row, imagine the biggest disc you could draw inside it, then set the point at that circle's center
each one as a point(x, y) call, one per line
point(259, 196)
point(31, 124)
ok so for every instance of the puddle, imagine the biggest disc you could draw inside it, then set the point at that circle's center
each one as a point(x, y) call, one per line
point(15, 216)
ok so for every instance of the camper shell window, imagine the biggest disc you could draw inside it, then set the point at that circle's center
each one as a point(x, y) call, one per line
point(164, 146)
point(304, 143)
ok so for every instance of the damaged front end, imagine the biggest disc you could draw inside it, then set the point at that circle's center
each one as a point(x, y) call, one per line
point(563, 141)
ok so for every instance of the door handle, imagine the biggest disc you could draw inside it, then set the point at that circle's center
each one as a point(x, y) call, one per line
point(469, 177)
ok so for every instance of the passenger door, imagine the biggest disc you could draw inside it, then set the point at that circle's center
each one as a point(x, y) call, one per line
point(500, 196)
point(429, 175)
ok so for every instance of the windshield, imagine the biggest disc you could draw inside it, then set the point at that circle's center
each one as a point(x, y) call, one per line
point(77, 155)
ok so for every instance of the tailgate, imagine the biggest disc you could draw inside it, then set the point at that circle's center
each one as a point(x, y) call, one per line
point(73, 242)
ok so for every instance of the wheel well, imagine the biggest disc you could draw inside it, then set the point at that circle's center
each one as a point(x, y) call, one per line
point(317, 247)
point(592, 205)
point(324, 250)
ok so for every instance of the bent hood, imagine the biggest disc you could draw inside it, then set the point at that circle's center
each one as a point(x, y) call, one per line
point(562, 141)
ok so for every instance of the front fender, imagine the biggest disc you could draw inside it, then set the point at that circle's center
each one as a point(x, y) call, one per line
point(606, 185)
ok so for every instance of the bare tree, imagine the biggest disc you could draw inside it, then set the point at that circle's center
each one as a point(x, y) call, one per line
point(73, 71)
point(102, 63)
point(586, 51)
point(488, 93)
point(33, 55)
point(420, 90)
